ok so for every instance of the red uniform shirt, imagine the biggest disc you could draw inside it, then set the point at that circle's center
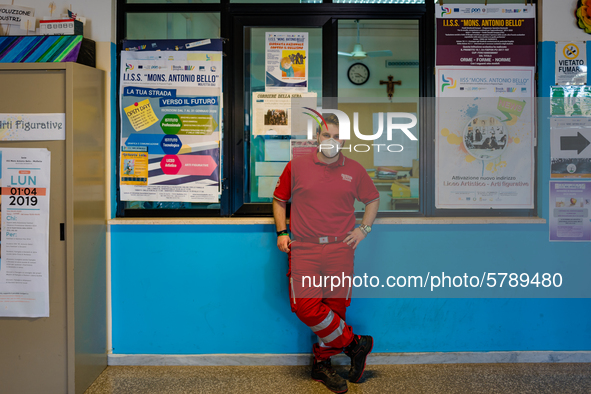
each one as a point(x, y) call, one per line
point(323, 195)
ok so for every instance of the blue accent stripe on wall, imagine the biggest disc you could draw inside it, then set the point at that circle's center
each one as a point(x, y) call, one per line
point(183, 289)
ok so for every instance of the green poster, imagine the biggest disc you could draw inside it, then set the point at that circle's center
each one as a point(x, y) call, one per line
point(570, 101)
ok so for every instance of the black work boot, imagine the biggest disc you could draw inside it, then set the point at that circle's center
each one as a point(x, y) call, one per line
point(322, 372)
point(358, 350)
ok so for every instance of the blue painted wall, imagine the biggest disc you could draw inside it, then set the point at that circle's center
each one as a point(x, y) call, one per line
point(206, 289)
point(228, 293)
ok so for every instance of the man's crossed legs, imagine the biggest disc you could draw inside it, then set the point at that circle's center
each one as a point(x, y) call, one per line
point(322, 306)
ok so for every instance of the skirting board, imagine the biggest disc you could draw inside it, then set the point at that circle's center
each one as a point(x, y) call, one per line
point(373, 359)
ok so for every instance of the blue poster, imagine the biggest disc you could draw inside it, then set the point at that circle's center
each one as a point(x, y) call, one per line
point(170, 121)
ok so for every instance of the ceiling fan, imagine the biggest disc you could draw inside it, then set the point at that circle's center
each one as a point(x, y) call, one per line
point(358, 52)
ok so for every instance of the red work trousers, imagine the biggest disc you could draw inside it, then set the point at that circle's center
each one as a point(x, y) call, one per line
point(320, 282)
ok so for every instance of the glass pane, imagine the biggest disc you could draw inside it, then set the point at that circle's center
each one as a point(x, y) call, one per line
point(173, 1)
point(277, 1)
point(378, 58)
point(268, 152)
point(381, 1)
point(168, 26)
point(489, 3)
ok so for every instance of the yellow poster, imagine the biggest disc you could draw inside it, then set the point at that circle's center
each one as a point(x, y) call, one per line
point(134, 168)
point(141, 115)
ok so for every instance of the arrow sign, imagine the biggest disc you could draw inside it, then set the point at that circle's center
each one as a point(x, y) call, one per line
point(578, 143)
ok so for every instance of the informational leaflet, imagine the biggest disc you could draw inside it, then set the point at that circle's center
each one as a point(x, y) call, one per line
point(24, 258)
point(271, 113)
point(571, 63)
point(32, 127)
point(170, 124)
point(570, 204)
point(484, 138)
point(286, 61)
point(570, 101)
point(570, 140)
point(479, 35)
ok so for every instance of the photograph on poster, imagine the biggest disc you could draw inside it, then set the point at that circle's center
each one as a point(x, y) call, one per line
point(128, 166)
point(485, 137)
point(277, 117)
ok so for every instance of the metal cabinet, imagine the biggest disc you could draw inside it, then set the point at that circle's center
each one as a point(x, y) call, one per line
point(65, 352)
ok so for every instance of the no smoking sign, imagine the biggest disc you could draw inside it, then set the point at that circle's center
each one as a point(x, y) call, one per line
point(571, 63)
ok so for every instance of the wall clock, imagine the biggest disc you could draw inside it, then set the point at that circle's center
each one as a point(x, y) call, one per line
point(358, 73)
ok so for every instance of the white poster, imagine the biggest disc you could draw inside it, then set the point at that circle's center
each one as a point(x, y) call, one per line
point(571, 63)
point(24, 258)
point(484, 138)
point(171, 116)
point(570, 203)
point(32, 127)
point(286, 62)
point(271, 113)
point(570, 140)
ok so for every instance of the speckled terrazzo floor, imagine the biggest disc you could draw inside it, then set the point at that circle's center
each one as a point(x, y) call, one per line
point(432, 378)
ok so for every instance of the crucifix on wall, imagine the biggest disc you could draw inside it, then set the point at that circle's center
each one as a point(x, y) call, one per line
point(390, 85)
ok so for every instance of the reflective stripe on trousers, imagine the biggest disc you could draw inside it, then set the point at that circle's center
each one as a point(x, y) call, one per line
point(324, 323)
point(335, 334)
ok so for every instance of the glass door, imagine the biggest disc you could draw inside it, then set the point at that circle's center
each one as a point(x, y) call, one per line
point(280, 60)
point(378, 73)
point(367, 66)
point(268, 118)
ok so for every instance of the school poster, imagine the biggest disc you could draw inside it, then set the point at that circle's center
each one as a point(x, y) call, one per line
point(484, 138)
point(486, 35)
point(171, 108)
point(286, 62)
point(24, 256)
point(570, 203)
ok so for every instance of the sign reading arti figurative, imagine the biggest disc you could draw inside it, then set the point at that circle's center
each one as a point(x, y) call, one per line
point(32, 127)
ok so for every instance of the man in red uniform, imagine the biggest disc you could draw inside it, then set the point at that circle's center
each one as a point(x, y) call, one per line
point(323, 187)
